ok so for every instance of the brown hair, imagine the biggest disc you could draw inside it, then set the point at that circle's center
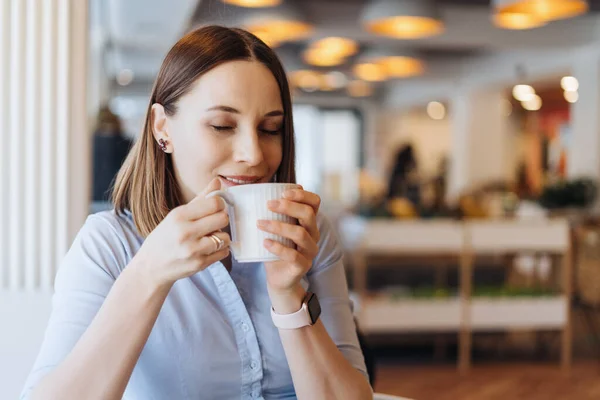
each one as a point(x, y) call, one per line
point(146, 183)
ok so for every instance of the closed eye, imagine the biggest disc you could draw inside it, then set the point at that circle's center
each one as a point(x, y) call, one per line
point(222, 128)
point(270, 132)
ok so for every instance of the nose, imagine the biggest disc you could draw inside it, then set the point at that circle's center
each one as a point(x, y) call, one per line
point(248, 147)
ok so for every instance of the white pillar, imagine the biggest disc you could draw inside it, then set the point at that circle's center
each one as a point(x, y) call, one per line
point(45, 162)
point(4, 126)
point(480, 140)
point(584, 153)
point(98, 79)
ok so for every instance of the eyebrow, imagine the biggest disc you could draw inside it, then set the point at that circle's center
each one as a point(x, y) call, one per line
point(274, 113)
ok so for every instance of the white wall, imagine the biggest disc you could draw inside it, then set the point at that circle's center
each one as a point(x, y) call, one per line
point(431, 138)
point(24, 315)
point(481, 141)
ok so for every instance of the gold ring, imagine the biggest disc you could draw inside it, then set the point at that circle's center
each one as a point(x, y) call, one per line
point(220, 243)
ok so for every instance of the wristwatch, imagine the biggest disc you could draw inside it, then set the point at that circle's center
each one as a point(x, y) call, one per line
point(307, 315)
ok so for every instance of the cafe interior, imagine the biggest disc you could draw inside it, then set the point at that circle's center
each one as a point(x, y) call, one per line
point(455, 145)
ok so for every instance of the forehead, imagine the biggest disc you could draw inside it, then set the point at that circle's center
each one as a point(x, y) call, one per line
point(244, 85)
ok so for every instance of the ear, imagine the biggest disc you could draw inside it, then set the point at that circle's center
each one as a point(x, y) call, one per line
point(159, 126)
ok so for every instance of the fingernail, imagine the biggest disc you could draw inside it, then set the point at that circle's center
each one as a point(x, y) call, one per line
point(273, 203)
point(268, 243)
point(262, 223)
point(289, 194)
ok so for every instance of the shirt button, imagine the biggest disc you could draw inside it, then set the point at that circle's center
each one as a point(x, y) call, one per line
point(245, 327)
point(253, 365)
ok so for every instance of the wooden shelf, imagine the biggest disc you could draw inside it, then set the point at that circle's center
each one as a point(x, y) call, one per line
point(462, 242)
point(518, 313)
point(384, 315)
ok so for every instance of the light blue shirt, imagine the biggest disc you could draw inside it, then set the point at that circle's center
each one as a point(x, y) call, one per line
point(213, 339)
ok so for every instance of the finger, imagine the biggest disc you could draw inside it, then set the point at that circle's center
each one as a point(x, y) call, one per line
point(296, 233)
point(199, 209)
point(214, 257)
point(208, 224)
point(207, 246)
point(213, 185)
point(304, 213)
point(287, 254)
point(305, 197)
point(200, 206)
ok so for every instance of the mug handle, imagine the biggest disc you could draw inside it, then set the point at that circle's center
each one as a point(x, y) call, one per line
point(222, 194)
point(235, 246)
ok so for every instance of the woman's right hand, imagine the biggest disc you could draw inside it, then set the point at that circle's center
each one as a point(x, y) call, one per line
point(180, 245)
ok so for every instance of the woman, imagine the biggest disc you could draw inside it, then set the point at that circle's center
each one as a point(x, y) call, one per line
point(403, 182)
point(149, 306)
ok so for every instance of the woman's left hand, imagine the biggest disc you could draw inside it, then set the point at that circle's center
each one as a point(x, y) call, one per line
point(283, 277)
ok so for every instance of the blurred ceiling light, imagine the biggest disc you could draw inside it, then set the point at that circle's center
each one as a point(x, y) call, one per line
point(523, 92)
point(402, 66)
point(436, 110)
point(533, 104)
point(547, 10)
point(253, 3)
point(370, 72)
point(359, 89)
point(402, 19)
point(569, 84)
point(316, 58)
point(125, 77)
point(330, 51)
point(336, 79)
point(571, 97)
point(517, 21)
point(395, 64)
point(336, 46)
point(268, 37)
point(282, 23)
point(306, 80)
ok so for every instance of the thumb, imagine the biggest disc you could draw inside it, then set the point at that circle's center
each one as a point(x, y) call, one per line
point(213, 185)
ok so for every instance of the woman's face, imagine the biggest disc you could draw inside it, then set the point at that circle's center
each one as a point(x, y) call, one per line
point(230, 125)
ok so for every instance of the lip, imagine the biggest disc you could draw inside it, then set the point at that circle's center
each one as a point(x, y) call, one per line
point(246, 178)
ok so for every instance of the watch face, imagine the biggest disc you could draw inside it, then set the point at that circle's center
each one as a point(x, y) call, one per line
point(314, 308)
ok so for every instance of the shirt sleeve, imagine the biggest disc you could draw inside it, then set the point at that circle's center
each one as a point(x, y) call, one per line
point(327, 279)
point(83, 281)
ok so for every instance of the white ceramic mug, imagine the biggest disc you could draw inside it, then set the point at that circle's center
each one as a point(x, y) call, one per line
point(246, 204)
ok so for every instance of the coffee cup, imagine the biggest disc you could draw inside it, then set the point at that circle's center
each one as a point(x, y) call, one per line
point(247, 204)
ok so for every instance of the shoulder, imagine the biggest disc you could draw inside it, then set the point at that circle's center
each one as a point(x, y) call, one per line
point(112, 224)
point(106, 239)
point(111, 227)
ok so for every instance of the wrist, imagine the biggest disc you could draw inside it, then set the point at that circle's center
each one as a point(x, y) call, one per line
point(145, 277)
point(287, 301)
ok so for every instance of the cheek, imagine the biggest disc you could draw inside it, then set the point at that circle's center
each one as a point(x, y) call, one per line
point(197, 154)
point(273, 154)
point(208, 152)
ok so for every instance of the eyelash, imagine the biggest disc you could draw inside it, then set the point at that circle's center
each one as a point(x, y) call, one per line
point(221, 128)
point(230, 128)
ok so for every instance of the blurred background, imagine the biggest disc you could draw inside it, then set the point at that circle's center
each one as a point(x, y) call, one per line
point(455, 144)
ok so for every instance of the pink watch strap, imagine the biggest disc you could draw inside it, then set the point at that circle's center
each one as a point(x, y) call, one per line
point(292, 321)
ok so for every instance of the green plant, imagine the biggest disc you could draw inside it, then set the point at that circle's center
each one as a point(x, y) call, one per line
point(578, 193)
